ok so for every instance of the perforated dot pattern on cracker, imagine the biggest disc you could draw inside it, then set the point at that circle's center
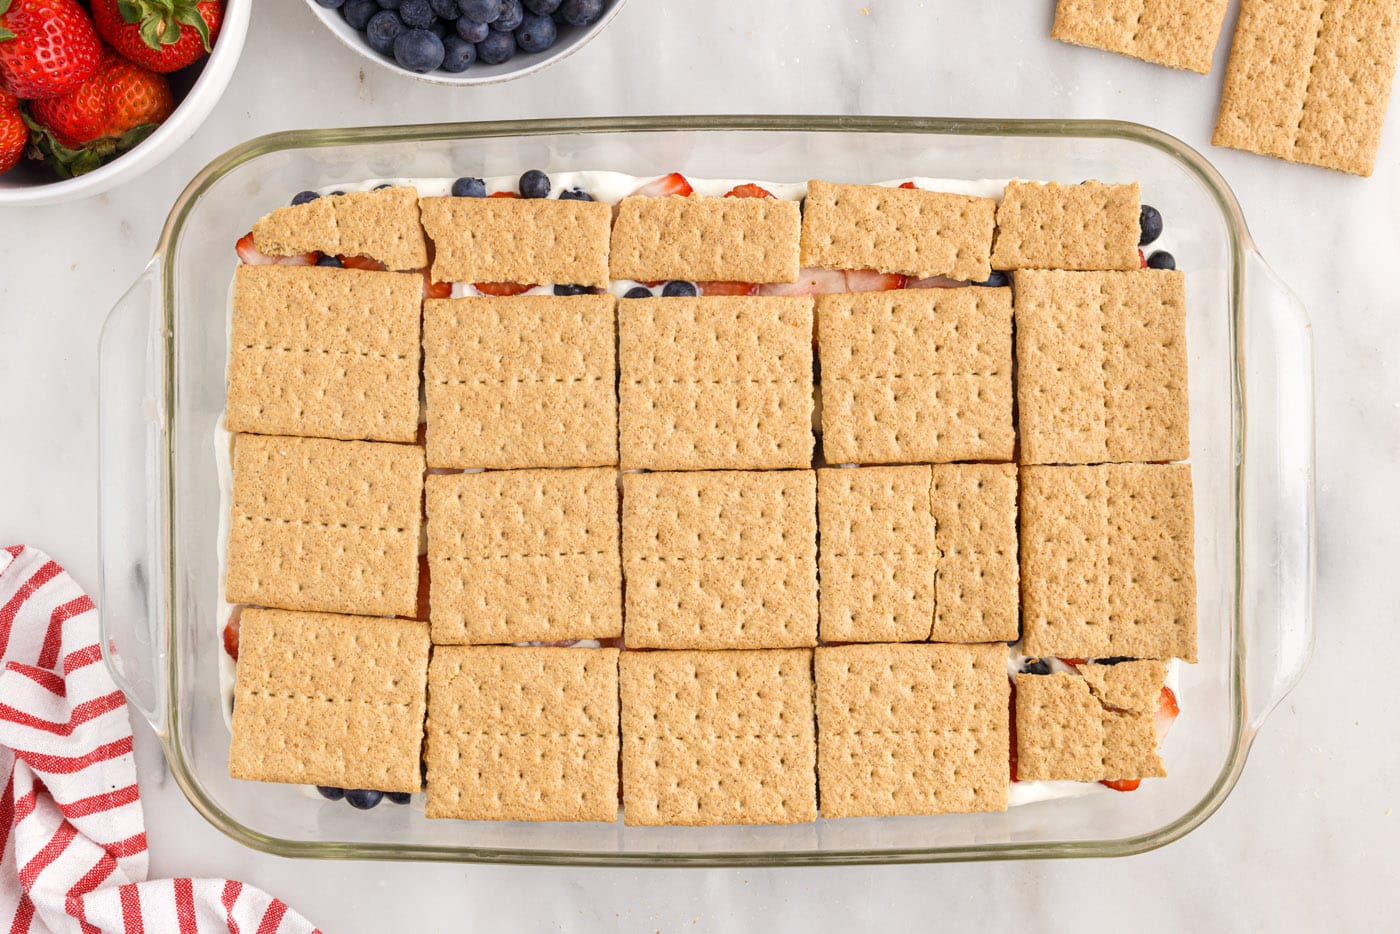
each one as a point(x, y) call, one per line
point(695, 238)
point(978, 573)
point(1176, 33)
point(381, 225)
point(524, 240)
point(1067, 731)
point(1047, 225)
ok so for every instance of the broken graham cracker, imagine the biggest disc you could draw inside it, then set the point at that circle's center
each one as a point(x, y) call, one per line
point(325, 525)
point(1107, 561)
point(320, 352)
point(380, 225)
point(705, 239)
point(1309, 81)
point(720, 560)
point(322, 699)
point(718, 737)
point(525, 381)
point(1069, 729)
point(901, 230)
point(912, 729)
point(1102, 372)
point(524, 240)
point(715, 383)
point(1047, 225)
point(878, 554)
point(522, 733)
point(978, 574)
point(524, 556)
point(1176, 33)
point(916, 375)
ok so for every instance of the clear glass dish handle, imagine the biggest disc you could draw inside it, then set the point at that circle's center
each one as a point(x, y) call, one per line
point(132, 526)
point(1278, 515)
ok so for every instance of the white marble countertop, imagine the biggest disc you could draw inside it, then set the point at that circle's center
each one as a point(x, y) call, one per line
point(1306, 842)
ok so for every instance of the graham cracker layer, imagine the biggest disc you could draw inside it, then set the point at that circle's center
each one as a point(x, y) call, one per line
point(1176, 33)
point(695, 238)
point(978, 575)
point(1054, 226)
point(380, 225)
point(524, 240)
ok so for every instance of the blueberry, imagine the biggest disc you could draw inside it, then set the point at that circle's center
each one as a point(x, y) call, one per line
point(572, 290)
point(358, 12)
point(575, 194)
point(1038, 666)
point(1150, 223)
point(328, 259)
point(418, 50)
point(496, 48)
point(482, 11)
point(331, 792)
point(384, 27)
point(536, 33)
point(446, 9)
point(382, 185)
point(331, 4)
point(398, 797)
point(466, 187)
point(471, 30)
point(638, 291)
point(457, 54)
point(678, 288)
point(440, 29)
point(337, 192)
point(542, 7)
point(581, 12)
point(302, 197)
point(363, 799)
point(1161, 260)
point(1112, 660)
point(390, 4)
point(416, 14)
point(997, 280)
point(534, 184)
point(511, 15)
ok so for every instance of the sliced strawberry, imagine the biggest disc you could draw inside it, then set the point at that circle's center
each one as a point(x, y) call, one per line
point(1166, 713)
point(748, 191)
point(1142, 260)
point(935, 282)
point(1123, 784)
point(809, 282)
point(424, 588)
point(362, 262)
point(501, 289)
point(727, 288)
point(914, 187)
point(231, 634)
point(868, 280)
point(503, 194)
point(433, 289)
point(673, 184)
point(249, 254)
point(1076, 662)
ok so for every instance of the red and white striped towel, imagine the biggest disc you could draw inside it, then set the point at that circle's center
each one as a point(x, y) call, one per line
point(72, 834)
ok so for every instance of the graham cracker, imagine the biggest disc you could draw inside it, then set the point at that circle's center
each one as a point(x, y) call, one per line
point(1065, 733)
point(916, 375)
point(381, 225)
point(713, 383)
point(1047, 225)
point(912, 729)
point(1176, 33)
point(524, 556)
point(705, 239)
point(901, 230)
point(720, 560)
point(1107, 561)
point(325, 525)
point(1309, 81)
point(321, 352)
point(526, 381)
point(978, 574)
point(322, 699)
point(1132, 686)
point(718, 738)
point(878, 556)
point(525, 240)
point(1102, 372)
point(522, 733)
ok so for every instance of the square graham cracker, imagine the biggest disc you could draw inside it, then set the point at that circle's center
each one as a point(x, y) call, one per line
point(912, 729)
point(1047, 225)
point(718, 738)
point(715, 383)
point(522, 733)
point(380, 225)
point(325, 525)
point(916, 375)
point(720, 560)
point(878, 555)
point(330, 353)
point(1108, 561)
point(706, 239)
point(1102, 371)
point(322, 699)
point(978, 574)
point(524, 556)
point(526, 381)
point(1309, 81)
point(902, 230)
point(524, 240)
point(1176, 33)
point(1069, 729)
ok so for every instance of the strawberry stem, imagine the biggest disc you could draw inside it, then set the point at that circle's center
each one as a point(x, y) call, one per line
point(161, 20)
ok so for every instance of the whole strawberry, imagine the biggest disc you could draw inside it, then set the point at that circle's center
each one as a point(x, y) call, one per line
point(14, 132)
point(162, 35)
point(105, 115)
point(46, 47)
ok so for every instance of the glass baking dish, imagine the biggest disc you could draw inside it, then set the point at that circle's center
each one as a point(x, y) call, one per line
point(162, 389)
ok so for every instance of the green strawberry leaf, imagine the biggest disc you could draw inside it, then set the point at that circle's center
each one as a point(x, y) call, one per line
point(5, 33)
point(161, 20)
point(70, 163)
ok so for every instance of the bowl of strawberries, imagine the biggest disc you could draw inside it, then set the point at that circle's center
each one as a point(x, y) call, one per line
point(93, 92)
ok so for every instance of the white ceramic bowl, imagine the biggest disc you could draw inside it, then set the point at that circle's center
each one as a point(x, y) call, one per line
point(32, 183)
point(571, 39)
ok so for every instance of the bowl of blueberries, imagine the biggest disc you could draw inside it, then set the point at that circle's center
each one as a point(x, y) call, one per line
point(465, 41)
